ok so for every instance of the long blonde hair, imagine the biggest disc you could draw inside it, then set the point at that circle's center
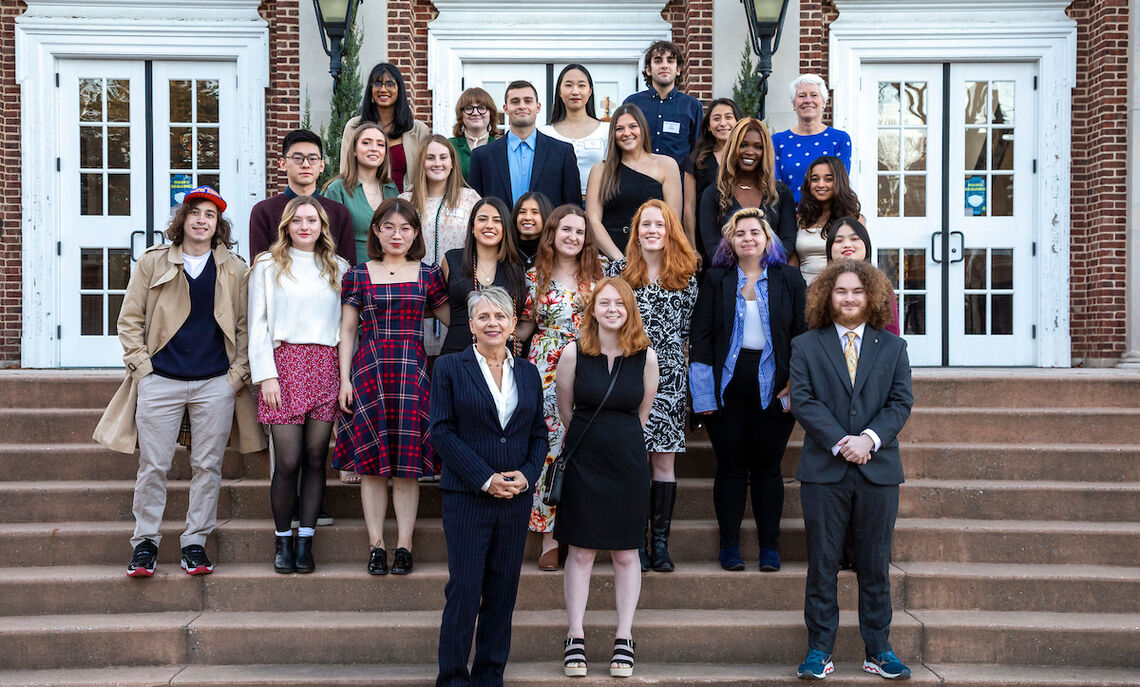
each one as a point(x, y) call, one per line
point(324, 251)
point(726, 178)
point(455, 182)
point(352, 168)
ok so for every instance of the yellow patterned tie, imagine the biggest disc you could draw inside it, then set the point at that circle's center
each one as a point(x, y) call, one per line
point(851, 355)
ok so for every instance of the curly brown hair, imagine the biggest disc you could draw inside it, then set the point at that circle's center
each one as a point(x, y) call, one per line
point(176, 230)
point(875, 285)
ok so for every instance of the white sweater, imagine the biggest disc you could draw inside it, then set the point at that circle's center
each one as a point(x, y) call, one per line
point(302, 309)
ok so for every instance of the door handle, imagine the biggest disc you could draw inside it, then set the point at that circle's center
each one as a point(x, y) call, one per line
point(934, 243)
point(958, 253)
point(134, 235)
point(157, 237)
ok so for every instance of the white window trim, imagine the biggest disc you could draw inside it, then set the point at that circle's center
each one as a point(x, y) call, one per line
point(51, 30)
point(533, 31)
point(1036, 31)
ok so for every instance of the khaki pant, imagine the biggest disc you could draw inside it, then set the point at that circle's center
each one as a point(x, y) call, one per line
point(161, 403)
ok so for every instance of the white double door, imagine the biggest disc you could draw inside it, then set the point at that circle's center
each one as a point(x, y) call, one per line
point(135, 136)
point(613, 82)
point(946, 176)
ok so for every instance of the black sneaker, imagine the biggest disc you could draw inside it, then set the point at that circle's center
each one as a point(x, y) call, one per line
point(143, 561)
point(324, 519)
point(195, 561)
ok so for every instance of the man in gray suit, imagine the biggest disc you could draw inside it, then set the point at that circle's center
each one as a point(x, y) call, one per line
point(851, 391)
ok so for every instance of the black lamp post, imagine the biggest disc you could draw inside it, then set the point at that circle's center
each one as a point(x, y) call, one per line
point(334, 18)
point(765, 22)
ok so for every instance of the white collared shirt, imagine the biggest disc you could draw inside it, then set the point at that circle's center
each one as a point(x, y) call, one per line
point(506, 398)
point(842, 332)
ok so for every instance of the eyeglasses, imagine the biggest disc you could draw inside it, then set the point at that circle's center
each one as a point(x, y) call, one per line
point(389, 84)
point(393, 229)
point(474, 109)
point(299, 159)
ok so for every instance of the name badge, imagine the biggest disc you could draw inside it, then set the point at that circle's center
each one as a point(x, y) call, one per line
point(671, 127)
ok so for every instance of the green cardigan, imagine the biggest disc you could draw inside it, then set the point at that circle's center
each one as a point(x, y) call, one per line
point(359, 208)
point(463, 152)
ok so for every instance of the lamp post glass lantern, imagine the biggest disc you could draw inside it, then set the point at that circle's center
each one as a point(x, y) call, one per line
point(765, 23)
point(334, 19)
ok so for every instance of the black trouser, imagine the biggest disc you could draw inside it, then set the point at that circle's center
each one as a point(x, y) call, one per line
point(871, 510)
point(749, 442)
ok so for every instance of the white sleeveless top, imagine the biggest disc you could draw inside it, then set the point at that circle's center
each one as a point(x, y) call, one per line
point(589, 150)
point(811, 248)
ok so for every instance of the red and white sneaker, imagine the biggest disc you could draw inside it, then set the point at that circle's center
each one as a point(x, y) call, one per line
point(143, 561)
point(195, 561)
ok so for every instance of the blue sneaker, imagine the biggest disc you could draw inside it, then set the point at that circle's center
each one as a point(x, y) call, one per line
point(886, 665)
point(816, 666)
point(730, 558)
point(769, 560)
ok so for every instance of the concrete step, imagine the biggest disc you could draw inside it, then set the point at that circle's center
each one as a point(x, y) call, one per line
point(1061, 639)
point(1016, 587)
point(1003, 425)
point(1003, 675)
point(345, 586)
point(407, 637)
point(91, 462)
point(916, 539)
point(960, 387)
point(518, 674)
point(55, 501)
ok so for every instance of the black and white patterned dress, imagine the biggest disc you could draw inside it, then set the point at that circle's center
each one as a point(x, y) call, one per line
point(666, 315)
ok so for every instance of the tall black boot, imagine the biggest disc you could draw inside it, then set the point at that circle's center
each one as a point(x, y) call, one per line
point(642, 550)
point(662, 496)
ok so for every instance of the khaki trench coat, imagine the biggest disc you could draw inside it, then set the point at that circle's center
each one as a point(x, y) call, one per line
point(156, 305)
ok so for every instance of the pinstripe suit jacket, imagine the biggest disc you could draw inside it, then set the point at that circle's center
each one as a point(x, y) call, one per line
point(465, 429)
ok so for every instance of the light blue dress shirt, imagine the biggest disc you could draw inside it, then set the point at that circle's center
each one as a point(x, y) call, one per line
point(701, 375)
point(520, 159)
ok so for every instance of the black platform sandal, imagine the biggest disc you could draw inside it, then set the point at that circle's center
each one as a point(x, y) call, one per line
point(621, 665)
point(574, 657)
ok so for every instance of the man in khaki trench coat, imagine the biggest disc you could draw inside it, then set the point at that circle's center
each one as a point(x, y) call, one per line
point(183, 330)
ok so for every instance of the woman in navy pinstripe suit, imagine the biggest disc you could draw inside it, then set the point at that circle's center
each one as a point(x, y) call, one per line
point(490, 460)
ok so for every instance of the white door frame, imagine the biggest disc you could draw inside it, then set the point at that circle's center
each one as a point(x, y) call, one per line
point(533, 31)
point(50, 30)
point(1036, 31)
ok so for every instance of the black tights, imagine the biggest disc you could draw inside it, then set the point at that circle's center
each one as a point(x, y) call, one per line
point(299, 450)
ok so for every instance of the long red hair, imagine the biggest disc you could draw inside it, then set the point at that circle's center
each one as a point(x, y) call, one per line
point(589, 267)
point(679, 261)
point(632, 337)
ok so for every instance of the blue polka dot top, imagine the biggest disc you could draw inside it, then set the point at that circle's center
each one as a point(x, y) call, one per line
point(794, 154)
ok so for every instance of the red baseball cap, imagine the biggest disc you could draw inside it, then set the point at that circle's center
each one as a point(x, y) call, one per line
point(207, 193)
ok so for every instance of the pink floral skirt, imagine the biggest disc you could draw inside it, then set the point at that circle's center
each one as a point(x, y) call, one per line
point(310, 381)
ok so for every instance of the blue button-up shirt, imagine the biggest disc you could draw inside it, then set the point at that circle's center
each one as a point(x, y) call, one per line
point(520, 159)
point(701, 383)
point(674, 123)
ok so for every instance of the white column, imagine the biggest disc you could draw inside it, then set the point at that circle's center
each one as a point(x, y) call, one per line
point(1131, 357)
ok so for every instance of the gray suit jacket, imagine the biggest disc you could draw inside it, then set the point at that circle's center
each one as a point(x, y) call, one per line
point(827, 406)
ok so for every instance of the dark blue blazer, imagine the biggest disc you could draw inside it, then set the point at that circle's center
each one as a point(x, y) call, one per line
point(829, 407)
point(465, 429)
point(553, 174)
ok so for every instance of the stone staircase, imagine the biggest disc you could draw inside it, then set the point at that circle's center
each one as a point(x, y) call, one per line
point(1016, 561)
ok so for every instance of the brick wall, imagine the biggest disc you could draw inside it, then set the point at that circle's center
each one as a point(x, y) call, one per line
point(1098, 286)
point(1100, 179)
point(407, 49)
point(692, 22)
point(283, 97)
point(10, 205)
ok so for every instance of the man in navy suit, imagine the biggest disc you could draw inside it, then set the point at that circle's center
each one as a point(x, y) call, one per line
point(851, 391)
point(525, 159)
point(488, 428)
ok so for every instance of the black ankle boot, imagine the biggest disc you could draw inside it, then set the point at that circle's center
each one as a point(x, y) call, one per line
point(662, 496)
point(284, 559)
point(304, 555)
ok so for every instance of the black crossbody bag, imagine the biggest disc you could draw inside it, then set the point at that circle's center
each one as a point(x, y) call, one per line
point(556, 475)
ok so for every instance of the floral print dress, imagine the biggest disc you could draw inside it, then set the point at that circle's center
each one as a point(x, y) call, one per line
point(557, 315)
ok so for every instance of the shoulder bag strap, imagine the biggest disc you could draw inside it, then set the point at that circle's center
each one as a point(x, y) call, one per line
point(565, 455)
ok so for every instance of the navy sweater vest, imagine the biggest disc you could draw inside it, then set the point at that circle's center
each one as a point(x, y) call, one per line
point(198, 349)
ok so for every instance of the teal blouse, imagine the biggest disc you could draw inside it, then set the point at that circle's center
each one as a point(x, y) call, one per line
point(358, 207)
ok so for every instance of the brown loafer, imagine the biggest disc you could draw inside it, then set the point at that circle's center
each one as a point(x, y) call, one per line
point(549, 560)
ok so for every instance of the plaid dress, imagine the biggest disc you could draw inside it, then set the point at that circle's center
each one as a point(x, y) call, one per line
point(387, 434)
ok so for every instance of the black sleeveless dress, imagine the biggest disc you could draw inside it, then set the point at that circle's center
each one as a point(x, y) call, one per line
point(605, 497)
point(458, 286)
point(634, 188)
